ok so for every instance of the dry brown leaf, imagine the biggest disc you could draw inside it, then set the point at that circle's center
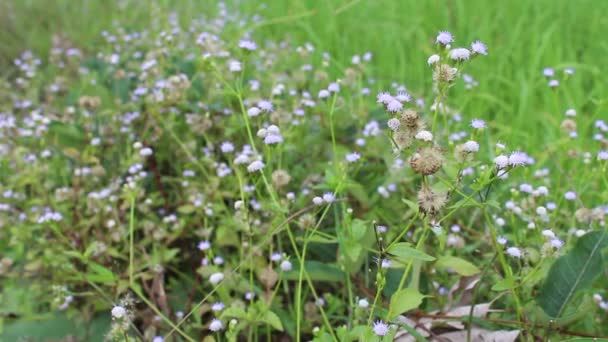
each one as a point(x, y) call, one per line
point(478, 335)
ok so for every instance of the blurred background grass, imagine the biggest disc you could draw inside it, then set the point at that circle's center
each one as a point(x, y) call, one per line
point(523, 37)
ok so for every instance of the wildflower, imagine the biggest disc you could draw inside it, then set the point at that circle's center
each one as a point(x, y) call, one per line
point(217, 306)
point(118, 312)
point(569, 71)
point(227, 147)
point(363, 303)
point(215, 278)
point(276, 256)
point(317, 200)
point(385, 263)
point(394, 106)
point(265, 106)
point(353, 157)
point(402, 96)
point(553, 83)
point(460, 54)
point(247, 45)
point(323, 94)
point(286, 266)
point(478, 124)
point(602, 155)
point(280, 178)
point(571, 112)
point(501, 240)
point(514, 252)
point(570, 195)
point(270, 139)
point(444, 37)
point(541, 211)
point(393, 124)
point(501, 162)
point(204, 245)
point(433, 59)
point(548, 72)
point(384, 97)
point(234, 66)
point(333, 87)
point(216, 325)
point(380, 328)
point(328, 197)
point(471, 146)
point(424, 136)
point(479, 48)
point(256, 165)
point(145, 152)
point(556, 243)
point(444, 73)
point(518, 158)
point(253, 111)
point(158, 339)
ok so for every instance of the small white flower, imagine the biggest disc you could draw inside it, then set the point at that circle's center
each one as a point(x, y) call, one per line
point(363, 303)
point(286, 266)
point(460, 54)
point(215, 278)
point(424, 136)
point(393, 124)
point(256, 165)
point(328, 197)
point(501, 162)
point(317, 200)
point(571, 112)
point(433, 59)
point(352, 157)
point(119, 312)
point(471, 146)
point(324, 93)
point(514, 252)
point(253, 111)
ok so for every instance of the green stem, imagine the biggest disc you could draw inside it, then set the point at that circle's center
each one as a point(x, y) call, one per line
point(131, 231)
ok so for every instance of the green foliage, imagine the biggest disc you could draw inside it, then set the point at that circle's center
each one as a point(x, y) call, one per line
point(573, 272)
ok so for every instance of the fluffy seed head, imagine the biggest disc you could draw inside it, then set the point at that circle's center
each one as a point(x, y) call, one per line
point(444, 73)
point(427, 160)
point(424, 136)
point(431, 202)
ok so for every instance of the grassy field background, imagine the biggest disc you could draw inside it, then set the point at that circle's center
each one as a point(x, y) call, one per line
point(523, 37)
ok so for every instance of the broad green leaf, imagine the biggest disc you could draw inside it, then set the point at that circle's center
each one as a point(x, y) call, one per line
point(411, 204)
point(404, 252)
point(502, 285)
point(458, 265)
point(358, 229)
point(405, 300)
point(572, 272)
point(318, 271)
point(274, 320)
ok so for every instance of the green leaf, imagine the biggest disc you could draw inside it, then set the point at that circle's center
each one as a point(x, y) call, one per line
point(411, 204)
point(405, 300)
point(234, 312)
point(572, 272)
point(404, 252)
point(318, 271)
point(274, 320)
point(358, 229)
point(502, 285)
point(100, 274)
point(65, 135)
point(459, 265)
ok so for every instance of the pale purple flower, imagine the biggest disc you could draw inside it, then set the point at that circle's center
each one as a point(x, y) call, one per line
point(548, 72)
point(204, 245)
point(235, 66)
point(501, 162)
point(570, 195)
point(353, 157)
point(553, 83)
point(227, 147)
point(317, 200)
point(217, 306)
point(394, 106)
point(402, 96)
point(216, 325)
point(380, 328)
point(324, 93)
point(444, 37)
point(384, 97)
point(286, 266)
point(460, 54)
point(569, 71)
point(514, 252)
point(247, 45)
point(478, 123)
point(471, 146)
point(602, 155)
point(479, 48)
point(256, 165)
point(333, 87)
point(266, 106)
point(518, 158)
point(253, 111)
point(329, 197)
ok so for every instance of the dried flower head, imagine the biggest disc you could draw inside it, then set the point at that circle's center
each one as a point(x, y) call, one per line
point(427, 160)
